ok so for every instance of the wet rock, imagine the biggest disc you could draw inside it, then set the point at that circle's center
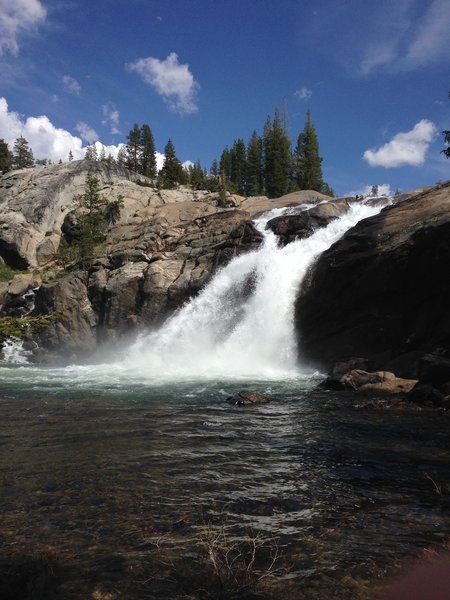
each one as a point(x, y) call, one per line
point(435, 370)
point(426, 395)
point(245, 398)
point(364, 381)
point(301, 225)
point(380, 291)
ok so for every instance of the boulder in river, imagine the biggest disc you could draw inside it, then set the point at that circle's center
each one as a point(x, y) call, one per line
point(246, 398)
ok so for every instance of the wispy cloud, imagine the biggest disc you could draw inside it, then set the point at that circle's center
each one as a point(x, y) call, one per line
point(303, 93)
point(404, 43)
point(432, 37)
point(18, 17)
point(111, 117)
point(405, 148)
point(86, 132)
point(173, 81)
point(71, 85)
point(383, 36)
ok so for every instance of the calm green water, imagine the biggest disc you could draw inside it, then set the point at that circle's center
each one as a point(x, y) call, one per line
point(94, 469)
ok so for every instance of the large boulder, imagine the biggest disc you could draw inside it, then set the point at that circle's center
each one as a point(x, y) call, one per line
point(299, 225)
point(381, 292)
point(382, 382)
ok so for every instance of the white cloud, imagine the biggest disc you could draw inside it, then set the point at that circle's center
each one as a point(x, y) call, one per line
point(46, 140)
point(171, 80)
point(86, 132)
point(160, 158)
point(16, 18)
point(303, 93)
point(111, 117)
point(407, 148)
point(72, 86)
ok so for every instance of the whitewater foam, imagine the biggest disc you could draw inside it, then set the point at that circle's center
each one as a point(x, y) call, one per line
point(242, 324)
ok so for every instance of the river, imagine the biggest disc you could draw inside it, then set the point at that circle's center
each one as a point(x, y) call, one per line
point(133, 478)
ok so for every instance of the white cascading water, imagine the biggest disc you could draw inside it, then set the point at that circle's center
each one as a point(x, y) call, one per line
point(242, 323)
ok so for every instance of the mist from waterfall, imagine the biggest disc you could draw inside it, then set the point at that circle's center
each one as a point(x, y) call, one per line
point(241, 325)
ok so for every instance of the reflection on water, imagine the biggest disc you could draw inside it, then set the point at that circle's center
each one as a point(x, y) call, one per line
point(342, 488)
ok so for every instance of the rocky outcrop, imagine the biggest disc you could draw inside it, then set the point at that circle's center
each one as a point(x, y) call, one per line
point(148, 271)
point(162, 248)
point(34, 203)
point(258, 204)
point(300, 224)
point(382, 291)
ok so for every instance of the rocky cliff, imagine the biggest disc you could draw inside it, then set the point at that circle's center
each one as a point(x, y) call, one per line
point(162, 248)
point(381, 292)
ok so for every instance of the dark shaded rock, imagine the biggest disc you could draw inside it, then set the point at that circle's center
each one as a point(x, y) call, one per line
point(382, 290)
point(74, 333)
point(301, 225)
point(340, 368)
point(434, 369)
point(426, 395)
point(245, 398)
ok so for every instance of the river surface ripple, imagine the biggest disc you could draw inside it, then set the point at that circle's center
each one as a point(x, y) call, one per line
point(338, 485)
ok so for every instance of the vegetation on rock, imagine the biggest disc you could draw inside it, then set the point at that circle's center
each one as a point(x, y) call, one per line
point(19, 327)
point(91, 226)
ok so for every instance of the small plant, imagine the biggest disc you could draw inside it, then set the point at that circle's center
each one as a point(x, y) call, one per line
point(6, 273)
point(144, 183)
point(222, 566)
point(19, 327)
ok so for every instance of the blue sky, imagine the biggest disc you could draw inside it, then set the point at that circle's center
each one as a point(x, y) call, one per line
point(375, 75)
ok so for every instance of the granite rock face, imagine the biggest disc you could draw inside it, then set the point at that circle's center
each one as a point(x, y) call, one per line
point(381, 292)
point(163, 247)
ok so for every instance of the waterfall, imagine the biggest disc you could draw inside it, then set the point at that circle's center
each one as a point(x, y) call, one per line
point(242, 323)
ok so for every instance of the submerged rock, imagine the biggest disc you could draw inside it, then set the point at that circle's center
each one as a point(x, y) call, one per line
point(246, 398)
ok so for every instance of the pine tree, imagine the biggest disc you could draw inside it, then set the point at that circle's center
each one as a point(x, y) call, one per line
point(214, 169)
point(102, 153)
point(197, 176)
point(122, 156)
point(134, 148)
point(225, 163)
point(254, 166)
point(91, 223)
point(6, 157)
point(91, 153)
point(308, 162)
point(22, 154)
point(239, 166)
point(70, 156)
point(147, 159)
point(277, 158)
point(172, 172)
